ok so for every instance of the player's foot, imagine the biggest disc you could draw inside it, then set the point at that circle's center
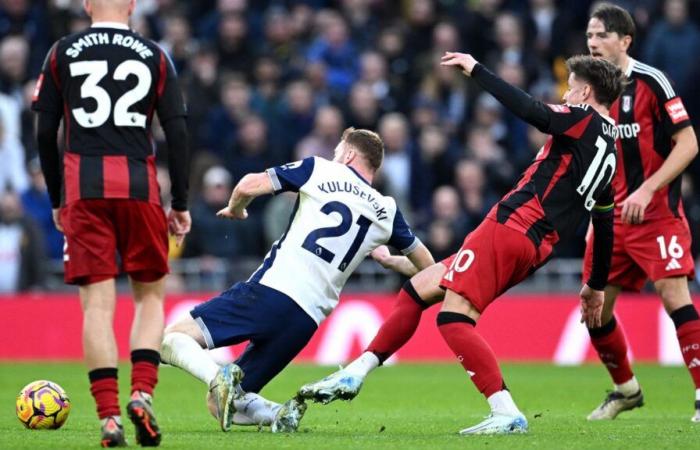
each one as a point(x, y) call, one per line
point(224, 392)
point(289, 416)
point(615, 403)
point(338, 385)
point(141, 414)
point(112, 433)
point(696, 417)
point(498, 424)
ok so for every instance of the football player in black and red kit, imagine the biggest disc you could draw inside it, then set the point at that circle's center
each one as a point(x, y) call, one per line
point(106, 83)
point(568, 182)
point(652, 237)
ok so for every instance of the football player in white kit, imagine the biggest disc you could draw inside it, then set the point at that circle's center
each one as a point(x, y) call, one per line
point(338, 220)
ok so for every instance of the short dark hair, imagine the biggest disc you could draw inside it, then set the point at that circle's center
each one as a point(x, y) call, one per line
point(615, 19)
point(606, 78)
point(368, 143)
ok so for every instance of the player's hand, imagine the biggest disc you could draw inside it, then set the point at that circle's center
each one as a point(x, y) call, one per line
point(56, 214)
point(381, 254)
point(591, 306)
point(179, 224)
point(634, 206)
point(233, 213)
point(463, 60)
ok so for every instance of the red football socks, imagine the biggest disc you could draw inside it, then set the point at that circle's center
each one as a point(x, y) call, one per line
point(472, 351)
point(105, 390)
point(688, 331)
point(144, 371)
point(400, 325)
point(611, 345)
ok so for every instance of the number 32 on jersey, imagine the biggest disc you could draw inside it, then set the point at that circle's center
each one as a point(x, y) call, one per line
point(461, 263)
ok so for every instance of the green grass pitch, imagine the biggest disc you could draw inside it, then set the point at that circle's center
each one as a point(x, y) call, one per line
point(400, 407)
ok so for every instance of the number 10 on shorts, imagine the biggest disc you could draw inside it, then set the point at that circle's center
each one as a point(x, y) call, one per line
point(674, 249)
point(462, 261)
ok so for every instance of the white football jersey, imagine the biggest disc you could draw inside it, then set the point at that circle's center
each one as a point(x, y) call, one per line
point(337, 221)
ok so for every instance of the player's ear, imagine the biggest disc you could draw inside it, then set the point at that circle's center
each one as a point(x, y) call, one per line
point(132, 5)
point(87, 7)
point(626, 41)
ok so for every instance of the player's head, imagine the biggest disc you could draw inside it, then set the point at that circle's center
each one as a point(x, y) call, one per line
point(593, 80)
point(610, 32)
point(364, 146)
point(103, 10)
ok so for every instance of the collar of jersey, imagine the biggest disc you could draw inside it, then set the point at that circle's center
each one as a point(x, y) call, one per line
point(359, 176)
point(121, 26)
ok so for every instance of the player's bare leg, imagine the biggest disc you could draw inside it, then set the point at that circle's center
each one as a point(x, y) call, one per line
point(456, 322)
point(675, 296)
point(184, 346)
point(98, 301)
point(420, 292)
point(146, 336)
point(611, 345)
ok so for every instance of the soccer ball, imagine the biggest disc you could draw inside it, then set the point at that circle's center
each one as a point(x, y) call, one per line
point(42, 405)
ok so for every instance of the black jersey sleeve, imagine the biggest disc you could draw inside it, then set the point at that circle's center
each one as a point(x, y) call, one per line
point(603, 237)
point(550, 119)
point(170, 102)
point(47, 93)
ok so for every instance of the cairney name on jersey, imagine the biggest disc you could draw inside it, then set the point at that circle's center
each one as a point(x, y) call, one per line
point(328, 187)
point(103, 39)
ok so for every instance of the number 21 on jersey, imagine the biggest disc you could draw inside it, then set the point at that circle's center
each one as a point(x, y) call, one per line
point(461, 263)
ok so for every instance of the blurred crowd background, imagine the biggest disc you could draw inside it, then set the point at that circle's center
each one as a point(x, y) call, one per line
point(270, 81)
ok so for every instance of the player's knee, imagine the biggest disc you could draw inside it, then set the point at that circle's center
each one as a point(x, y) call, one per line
point(673, 292)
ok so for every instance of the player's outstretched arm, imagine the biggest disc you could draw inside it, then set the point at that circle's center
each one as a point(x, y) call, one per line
point(408, 265)
point(682, 154)
point(518, 102)
point(251, 186)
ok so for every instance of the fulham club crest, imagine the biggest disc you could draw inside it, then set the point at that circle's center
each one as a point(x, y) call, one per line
point(626, 103)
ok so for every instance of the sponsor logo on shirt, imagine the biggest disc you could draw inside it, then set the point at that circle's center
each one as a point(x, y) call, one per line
point(626, 103)
point(676, 111)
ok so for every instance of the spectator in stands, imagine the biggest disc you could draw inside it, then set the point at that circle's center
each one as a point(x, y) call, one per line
point(27, 19)
point(37, 206)
point(218, 133)
point(13, 174)
point(14, 54)
point(213, 239)
point(297, 113)
point(673, 43)
point(396, 171)
point(327, 130)
point(22, 258)
point(363, 108)
point(511, 47)
point(373, 72)
point(201, 91)
point(337, 52)
point(252, 152)
point(470, 179)
point(235, 51)
point(177, 40)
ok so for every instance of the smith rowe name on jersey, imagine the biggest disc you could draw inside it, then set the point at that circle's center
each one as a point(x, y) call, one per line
point(103, 38)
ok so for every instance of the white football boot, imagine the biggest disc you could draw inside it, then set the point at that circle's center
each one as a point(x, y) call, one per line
point(615, 403)
point(339, 385)
point(497, 423)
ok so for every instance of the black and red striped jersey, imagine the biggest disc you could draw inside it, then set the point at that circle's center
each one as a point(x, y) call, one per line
point(648, 114)
point(570, 175)
point(108, 82)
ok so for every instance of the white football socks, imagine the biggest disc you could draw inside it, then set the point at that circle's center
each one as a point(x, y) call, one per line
point(363, 365)
point(181, 350)
point(628, 388)
point(253, 409)
point(502, 403)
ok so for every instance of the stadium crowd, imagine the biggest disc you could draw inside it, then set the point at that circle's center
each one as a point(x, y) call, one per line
point(268, 81)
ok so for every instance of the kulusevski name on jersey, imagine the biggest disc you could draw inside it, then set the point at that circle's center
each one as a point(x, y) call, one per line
point(337, 221)
point(102, 38)
point(329, 187)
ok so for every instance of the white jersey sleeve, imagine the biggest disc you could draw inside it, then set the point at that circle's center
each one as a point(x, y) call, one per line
point(337, 221)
